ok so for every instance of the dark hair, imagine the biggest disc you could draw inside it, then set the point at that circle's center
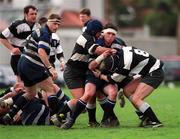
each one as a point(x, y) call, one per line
point(110, 25)
point(42, 20)
point(54, 16)
point(26, 9)
point(85, 11)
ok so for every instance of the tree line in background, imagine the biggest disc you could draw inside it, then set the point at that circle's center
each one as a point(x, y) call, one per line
point(160, 15)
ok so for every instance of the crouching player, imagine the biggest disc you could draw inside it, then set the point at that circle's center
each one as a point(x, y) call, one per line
point(130, 61)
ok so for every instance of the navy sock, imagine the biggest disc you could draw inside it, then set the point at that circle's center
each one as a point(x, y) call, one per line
point(152, 116)
point(80, 106)
point(53, 104)
point(92, 114)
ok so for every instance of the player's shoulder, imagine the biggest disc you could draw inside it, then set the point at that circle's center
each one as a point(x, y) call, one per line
point(17, 22)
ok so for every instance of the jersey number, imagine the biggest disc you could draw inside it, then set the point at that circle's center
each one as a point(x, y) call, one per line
point(141, 52)
point(128, 57)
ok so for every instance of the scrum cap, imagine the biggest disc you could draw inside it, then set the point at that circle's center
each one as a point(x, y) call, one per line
point(93, 27)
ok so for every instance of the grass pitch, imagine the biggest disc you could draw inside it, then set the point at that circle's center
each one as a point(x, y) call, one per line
point(164, 101)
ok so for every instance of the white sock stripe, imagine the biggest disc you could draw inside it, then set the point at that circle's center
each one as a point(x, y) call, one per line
point(111, 102)
point(82, 102)
point(91, 106)
point(61, 96)
point(70, 105)
point(144, 107)
point(102, 101)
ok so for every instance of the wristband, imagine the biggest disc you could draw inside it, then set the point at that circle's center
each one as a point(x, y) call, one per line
point(49, 67)
point(99, 59)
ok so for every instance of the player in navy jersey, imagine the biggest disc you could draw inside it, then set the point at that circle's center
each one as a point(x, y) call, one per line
point(130, 61)
point(35, 69)
point(108, 39)
point(14, 36)
point(56, 49)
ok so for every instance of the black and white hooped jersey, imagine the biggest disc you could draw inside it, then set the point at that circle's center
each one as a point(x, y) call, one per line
point(84, 46)
point(130, 61)
point(41, 38)
point(56, 49)
point(18, 31)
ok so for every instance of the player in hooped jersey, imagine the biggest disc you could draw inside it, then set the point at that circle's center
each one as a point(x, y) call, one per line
point(35, 68)
point(130, 61)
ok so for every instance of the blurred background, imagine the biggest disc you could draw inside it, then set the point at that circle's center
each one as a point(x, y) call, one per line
point(152, 25)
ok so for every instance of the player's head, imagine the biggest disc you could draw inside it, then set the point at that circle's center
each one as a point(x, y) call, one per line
point(30, 13)
point(94, 28)
point(109, 33)
point(54, 21)
point(42, 21)
point(108, 64)
point(85, 15)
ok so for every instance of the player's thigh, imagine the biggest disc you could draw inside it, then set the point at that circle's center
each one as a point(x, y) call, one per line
point(47, 85)
point(142, 91)
point(130, 88)
point(77, 92)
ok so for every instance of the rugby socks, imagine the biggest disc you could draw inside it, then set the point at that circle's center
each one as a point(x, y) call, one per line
point(108, 106)
point(19, 104)
point(147, 111)
point(80, 106)
point(91, 108)
point(139, 114)
point(53, 104)
point(62, 96)
point(57, 102)
point(65, 109)
point(102, 104)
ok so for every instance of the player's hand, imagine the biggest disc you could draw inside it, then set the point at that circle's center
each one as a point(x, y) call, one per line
point(53, 73)
point(96, 73)
point(15, 51)
point(113, 51)
point(62, 66)
point(109, 52)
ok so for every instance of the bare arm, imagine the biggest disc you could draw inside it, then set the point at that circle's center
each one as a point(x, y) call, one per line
point(13, 50)
point(62, 63)
point(95, 63)
point(99, 50)
point(99, 75)
point(104, 77)
point(45, 59)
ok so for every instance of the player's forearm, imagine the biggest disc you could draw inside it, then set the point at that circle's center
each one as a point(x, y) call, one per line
point(44, 57)
point(99, 50)
point(6, 44)
point(93, 65)
point(104, 77)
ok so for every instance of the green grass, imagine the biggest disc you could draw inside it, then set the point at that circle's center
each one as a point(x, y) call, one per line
point(164, 101)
